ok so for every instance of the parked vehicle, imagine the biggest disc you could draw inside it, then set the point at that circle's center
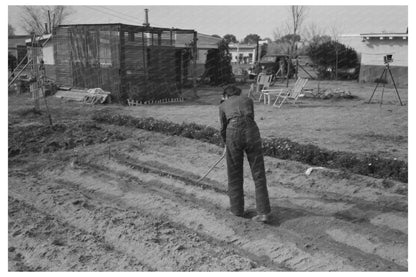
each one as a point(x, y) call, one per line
point(270, 64)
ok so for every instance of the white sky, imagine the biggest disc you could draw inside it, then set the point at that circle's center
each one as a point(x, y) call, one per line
point(240, 20)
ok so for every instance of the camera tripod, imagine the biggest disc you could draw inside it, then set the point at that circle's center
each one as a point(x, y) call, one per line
point(384, 81)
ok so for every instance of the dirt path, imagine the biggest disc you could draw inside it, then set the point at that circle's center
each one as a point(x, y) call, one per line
point(134, 205)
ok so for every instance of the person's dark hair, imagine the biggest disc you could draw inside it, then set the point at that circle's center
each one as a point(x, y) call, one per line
point(231, 90)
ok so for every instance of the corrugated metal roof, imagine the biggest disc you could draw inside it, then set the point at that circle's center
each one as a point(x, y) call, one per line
point(384, 35)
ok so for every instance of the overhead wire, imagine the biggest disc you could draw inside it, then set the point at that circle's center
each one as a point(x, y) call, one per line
point(104, 12)
point(118, 12)
point(123, 14)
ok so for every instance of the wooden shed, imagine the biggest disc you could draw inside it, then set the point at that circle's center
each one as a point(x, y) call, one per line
point(132, 62)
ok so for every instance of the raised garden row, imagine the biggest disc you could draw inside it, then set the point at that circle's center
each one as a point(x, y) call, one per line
point(281, 148)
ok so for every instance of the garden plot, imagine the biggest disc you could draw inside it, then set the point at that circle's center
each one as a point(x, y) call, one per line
point(128, 200)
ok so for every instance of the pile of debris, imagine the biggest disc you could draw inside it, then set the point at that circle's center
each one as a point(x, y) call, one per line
point(91, 96)
point(328, 94)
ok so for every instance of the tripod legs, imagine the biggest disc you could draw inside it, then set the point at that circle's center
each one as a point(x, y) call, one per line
point(378, 82)
point(384, 73)
point(394, 83)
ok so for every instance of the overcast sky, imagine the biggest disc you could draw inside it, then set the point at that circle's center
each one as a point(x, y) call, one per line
point(240, 20)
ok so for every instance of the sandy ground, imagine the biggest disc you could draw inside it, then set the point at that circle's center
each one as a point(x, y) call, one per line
point(341, 125)
point(96, 197)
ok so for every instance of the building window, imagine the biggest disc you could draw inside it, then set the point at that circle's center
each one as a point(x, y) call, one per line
point(250, 57)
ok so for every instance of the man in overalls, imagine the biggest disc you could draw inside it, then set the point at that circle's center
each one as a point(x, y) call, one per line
point(241, 134)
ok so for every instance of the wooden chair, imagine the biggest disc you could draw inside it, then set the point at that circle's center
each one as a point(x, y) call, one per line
point(285, 94)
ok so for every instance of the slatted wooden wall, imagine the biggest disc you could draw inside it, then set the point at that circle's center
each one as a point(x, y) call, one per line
point(62, 56)
point(122, 59)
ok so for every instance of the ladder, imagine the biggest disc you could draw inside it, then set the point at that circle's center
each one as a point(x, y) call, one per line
point(19, 69)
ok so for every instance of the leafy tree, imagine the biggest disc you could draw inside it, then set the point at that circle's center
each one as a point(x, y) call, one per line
point(11, 30)
point(218, 64)
point(34, 17)
point(289, 38)
point(319, 39)
point(216, 36)
point(263, 50)
point(328, 54)
point(228, 38)
point(251, 39)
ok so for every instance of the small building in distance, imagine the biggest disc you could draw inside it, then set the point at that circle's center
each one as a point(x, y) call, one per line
point(372, 47)
point(378, 45)
point(243, 53)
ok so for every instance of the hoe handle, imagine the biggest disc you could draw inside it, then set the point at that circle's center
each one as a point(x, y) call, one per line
point(212, 167)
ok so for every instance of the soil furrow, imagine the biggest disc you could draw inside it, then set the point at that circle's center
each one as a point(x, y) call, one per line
point(320, 223)
point(352, 210)
point(139, 200)
point(138, 234)
point(155, 183)
point(53, 245)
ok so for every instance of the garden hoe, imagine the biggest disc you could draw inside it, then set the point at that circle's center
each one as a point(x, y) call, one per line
point(212, 167)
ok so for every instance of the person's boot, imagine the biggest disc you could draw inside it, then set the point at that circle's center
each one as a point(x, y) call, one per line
point(264, 218)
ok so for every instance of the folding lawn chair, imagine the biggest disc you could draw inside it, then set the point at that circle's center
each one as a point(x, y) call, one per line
point(264, 81)
point(293, 93)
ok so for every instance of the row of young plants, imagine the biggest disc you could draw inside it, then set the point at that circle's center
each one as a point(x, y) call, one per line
point(281, 148)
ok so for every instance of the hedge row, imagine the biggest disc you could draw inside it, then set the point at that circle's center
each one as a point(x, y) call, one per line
point(281, 148)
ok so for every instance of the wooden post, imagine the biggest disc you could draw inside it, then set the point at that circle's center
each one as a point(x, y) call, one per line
point(336, 63)
point(195, 52)
point(34, 86)
point(297, 68)
point(288, 70)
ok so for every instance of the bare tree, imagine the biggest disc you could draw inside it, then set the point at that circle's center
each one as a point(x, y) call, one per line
point(298, 14)
point(34, 18)
point(335, 31)
point(311, 31)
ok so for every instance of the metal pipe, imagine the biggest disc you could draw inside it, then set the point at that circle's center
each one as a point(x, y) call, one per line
point(146, 23)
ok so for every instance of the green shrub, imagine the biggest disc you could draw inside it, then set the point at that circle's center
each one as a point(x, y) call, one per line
point(281, 148)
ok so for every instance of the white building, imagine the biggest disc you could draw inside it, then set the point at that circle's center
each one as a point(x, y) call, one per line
point(243, 53)
point(372, 47)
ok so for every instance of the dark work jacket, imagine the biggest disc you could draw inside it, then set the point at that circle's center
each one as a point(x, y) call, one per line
point(233, 111)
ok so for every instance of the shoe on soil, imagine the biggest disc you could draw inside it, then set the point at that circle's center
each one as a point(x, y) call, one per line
point(262, 218)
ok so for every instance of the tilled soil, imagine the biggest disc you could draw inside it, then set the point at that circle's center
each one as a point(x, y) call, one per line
point(133, 203)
